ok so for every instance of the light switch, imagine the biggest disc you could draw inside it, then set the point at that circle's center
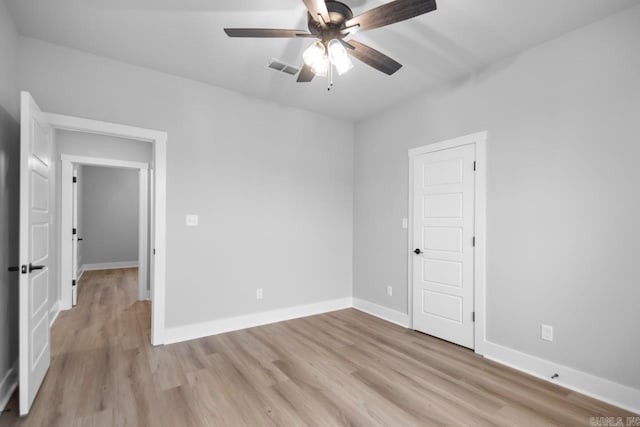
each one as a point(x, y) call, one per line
point(405, 223)
point(192, 220)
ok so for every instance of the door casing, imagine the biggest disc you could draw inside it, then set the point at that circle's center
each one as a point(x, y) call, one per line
point(158, 139)
point(480, 141)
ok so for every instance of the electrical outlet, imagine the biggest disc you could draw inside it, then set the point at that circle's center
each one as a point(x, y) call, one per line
point(259, 293)
point(192, 220)
point(390, 291)
point(546, 332)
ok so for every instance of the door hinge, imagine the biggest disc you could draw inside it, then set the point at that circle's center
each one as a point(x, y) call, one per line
point(473, 316)
point(75, 179)
point(154, 251)
point(474, 241)
point(474, 165)
point(73, 283)
point(74, 231)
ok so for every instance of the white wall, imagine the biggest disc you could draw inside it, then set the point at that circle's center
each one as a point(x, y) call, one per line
point(9, 182)
point(110, 202)
point(563, 200)
point(103, 147)
point(54, 236)
point(272, 185)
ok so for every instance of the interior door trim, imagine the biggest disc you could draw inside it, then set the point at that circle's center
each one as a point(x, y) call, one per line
point(159, 141)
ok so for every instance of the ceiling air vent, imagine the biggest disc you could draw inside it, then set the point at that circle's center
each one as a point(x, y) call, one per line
point(276, 65)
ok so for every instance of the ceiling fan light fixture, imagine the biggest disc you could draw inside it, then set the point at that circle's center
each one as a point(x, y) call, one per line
point(316, 57)
point(339, 57)
point(321, 68)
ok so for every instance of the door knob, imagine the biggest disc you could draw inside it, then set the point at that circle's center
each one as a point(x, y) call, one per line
point(35, 267)
point(417, 252)
point(21, 268)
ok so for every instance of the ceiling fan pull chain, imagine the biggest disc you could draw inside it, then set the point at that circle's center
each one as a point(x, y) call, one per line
point(330, 76)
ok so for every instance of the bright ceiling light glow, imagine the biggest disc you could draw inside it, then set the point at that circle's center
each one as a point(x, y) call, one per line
point(316, 57)
point(339, 57)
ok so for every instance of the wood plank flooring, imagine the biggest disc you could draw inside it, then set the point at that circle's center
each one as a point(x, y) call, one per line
point(344, 368)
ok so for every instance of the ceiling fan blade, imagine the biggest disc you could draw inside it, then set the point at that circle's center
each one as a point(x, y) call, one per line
point(373, 58)
point(347, 44)
point(392, 12)
point(265, 33)
point(306, 74)
point(318, 9)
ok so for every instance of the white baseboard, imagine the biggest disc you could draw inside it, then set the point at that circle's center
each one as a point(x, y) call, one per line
point(53, 313)
point(599, 388)
point(107, 266)
point(8, 385)
point(384, 313)
point(199, 330)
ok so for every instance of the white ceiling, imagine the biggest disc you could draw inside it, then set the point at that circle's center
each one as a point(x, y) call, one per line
point(185, 38)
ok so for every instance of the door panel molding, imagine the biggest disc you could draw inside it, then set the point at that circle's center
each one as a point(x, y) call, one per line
point(480, 141)
point(33, 335)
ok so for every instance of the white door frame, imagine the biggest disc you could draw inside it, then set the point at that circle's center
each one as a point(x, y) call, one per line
point(480, 141)
point(158, 139)
point(68, 162)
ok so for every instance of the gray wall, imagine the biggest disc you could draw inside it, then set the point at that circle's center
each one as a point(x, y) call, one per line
point(109, 199)
point(563, 200)
point(274, 194)
point(54, 237)
point(104, 147)
point(9, 181)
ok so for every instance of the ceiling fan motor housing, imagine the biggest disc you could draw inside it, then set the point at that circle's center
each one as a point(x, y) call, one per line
point(339, 14)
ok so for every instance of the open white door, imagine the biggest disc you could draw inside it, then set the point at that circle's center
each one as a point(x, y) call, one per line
point(74, 239)
point(35, 231)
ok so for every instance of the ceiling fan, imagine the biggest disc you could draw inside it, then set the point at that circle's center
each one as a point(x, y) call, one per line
point(331, 22)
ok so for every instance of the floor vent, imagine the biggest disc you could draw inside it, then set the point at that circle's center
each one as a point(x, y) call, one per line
point(276, 65)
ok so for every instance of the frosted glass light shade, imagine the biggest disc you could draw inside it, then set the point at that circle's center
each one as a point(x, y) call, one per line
point(316, 57)
point(339, 57)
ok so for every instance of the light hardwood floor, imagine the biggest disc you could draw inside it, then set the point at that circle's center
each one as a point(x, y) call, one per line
point(341, 368)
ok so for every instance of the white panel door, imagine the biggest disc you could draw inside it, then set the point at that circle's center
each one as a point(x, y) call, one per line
point(443, 237)
point(35, 231)
point(74, 238)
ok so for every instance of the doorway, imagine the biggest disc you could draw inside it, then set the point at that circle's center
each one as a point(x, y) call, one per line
point(70, 241)
point(446, 240)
